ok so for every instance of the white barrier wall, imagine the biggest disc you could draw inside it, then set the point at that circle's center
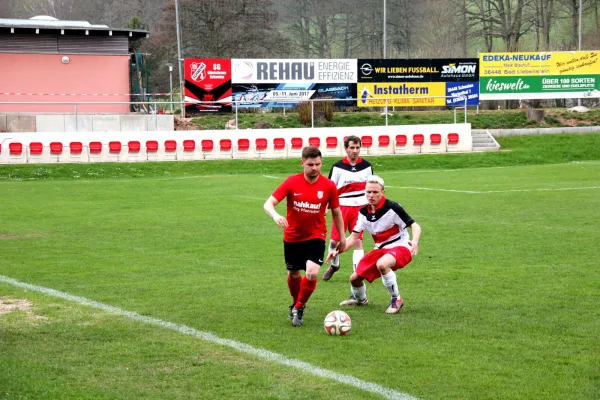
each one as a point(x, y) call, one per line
point(24, 147)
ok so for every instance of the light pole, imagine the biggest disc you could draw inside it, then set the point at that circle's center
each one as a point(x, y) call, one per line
point(580, 14)
point(171, 84)
point(384, 29)
point(179, 60)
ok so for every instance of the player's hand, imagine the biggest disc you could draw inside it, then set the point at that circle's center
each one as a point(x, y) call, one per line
point(280, 221)
point(331, 256)
point(414, 248)
point(326, 211)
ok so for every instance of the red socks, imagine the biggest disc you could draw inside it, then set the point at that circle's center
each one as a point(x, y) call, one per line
point(307, 287)
point(294, 286)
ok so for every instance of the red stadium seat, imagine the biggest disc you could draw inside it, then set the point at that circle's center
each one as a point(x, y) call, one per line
point(35, 148)
point(95, 147)
point(261, 144)
point(170, 146)
point(56, 148)
point(451, 140)
point(384, 140)
point(418, 139)
point(206, 144)
point(435, 139)
point(114, 147)
point(190, 145)
point(314, 141)
point(134, 146)
point(279, 143)
point(225, 144)
point(401, 140)
point(296, 143)
point(366, 141)
point(243, 144)
point(331, 142)
point(0, 148)
point(152, 146)
point(76, 148)
point(15, 149)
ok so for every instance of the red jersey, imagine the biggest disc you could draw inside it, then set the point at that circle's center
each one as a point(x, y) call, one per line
point(306, 205)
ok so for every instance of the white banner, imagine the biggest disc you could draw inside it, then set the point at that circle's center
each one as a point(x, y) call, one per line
point(293, 70)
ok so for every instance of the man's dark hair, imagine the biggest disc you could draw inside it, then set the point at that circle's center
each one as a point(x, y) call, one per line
point(311, 152)
point(352, 138)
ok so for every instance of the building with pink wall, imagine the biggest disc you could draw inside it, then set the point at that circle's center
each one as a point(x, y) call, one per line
point(56, 62)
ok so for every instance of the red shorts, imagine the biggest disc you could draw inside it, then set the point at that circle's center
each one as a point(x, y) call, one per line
point(367, 267)
point(350, 216)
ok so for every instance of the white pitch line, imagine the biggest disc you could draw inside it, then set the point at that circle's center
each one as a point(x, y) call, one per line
point(212, 338)
point(493, 191)
point(271, 177)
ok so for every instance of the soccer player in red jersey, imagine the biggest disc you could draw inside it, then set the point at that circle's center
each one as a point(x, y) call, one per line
point(388, 223)
point(350, 176)
point(308, 194)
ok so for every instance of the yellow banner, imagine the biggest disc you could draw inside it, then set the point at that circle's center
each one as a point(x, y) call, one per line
point(528, 64)
point(401, 94)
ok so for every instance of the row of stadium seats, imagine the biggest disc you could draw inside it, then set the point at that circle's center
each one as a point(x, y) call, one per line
point(190, 149)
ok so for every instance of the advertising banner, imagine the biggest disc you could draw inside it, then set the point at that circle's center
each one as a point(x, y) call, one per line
point(209, 80)
point(551, 75)
point(290, 94)
point(254, 71)
point(403, 81)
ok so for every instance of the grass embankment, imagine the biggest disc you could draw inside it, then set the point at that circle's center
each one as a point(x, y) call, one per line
point(496, 119)
point(519, 150)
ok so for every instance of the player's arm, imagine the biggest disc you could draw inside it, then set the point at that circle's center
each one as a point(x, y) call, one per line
point(350, 240)
point(338, 220)
point(269, 207)
point(415, 230)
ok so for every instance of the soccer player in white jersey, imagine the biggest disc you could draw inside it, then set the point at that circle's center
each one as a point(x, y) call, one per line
point(350, 176)
point(388, 223)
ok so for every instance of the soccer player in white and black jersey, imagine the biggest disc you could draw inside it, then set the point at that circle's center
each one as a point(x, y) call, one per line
point(388, 223)
point(350, 176)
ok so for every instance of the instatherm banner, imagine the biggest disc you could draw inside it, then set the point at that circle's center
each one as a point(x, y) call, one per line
point(207, 85)
point(549, 75)
point(418, 82)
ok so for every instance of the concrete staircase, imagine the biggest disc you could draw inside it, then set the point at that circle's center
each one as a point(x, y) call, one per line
point(484, 141)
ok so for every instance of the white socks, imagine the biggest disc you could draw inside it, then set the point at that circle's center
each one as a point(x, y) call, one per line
point(336, 261)
point(389, 281)
point(359, 293)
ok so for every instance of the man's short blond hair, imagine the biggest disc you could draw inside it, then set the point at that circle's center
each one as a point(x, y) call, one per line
point(375, 179)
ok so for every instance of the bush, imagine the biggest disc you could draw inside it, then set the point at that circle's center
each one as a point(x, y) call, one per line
point(323, 110)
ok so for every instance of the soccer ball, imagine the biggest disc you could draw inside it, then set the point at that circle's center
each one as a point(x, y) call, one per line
point(337, 323)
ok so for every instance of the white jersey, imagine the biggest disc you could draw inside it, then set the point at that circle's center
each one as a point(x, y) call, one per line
point(387, 225)
point(351, 181)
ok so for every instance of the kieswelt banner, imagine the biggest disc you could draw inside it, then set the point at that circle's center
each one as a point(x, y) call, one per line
point(415, 82)
point(549, 75)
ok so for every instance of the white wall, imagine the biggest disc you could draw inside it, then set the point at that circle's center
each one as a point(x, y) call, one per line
point(375, 132)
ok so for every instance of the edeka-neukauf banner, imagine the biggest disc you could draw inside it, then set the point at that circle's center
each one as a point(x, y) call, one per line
point(285, 82)
point(552, 75)
point(207, 85)
point(419, 82)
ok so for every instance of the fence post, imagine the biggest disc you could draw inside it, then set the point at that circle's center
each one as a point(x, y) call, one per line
point(386, 111)
point(236, 114)
point(312, 113)
point(466, 109)
point(76, 124)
